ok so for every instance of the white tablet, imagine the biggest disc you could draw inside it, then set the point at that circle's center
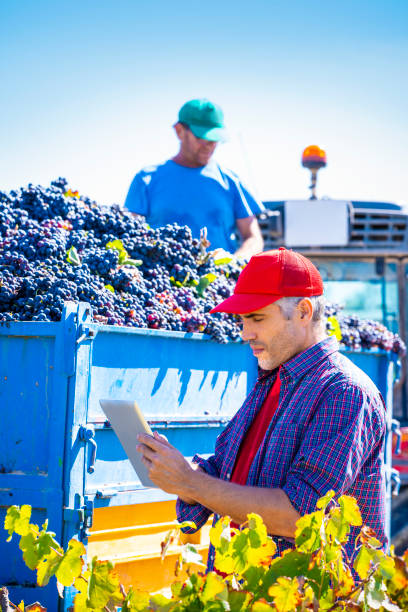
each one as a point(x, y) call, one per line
point(127, 422)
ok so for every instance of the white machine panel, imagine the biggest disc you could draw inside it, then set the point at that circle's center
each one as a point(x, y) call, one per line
point(316, 223)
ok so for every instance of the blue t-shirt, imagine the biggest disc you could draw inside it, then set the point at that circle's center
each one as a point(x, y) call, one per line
point(198, 197)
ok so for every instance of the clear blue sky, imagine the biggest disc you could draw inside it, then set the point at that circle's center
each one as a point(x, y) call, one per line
point(90, 90)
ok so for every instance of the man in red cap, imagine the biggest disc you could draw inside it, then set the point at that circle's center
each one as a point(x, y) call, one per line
point(313, 421)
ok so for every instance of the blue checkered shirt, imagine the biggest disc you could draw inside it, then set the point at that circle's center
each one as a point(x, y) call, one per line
point(327, 433)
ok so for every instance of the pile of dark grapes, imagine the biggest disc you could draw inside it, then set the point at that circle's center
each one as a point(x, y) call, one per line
point(56, 246)
point(359, 334)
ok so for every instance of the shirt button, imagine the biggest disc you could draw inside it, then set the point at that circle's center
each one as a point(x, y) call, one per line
point(228, 475)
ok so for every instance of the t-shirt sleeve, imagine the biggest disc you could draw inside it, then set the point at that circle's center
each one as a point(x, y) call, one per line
point(137, 199)
point(348, 427)
point(245, 204)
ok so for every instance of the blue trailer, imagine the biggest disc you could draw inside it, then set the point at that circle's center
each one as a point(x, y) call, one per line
point(59, 455)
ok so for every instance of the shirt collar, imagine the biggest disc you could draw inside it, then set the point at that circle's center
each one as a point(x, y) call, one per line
point(301, 363)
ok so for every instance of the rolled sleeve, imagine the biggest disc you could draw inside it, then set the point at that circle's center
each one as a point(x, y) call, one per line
point(344, 433)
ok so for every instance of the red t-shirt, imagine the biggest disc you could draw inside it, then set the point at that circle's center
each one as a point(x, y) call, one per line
point(255, 435)
point(252, 441)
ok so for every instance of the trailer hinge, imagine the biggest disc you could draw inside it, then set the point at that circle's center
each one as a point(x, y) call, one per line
point(81, 517)
point(85, 333)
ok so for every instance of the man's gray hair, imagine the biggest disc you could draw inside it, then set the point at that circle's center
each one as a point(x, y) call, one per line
point(287, 306)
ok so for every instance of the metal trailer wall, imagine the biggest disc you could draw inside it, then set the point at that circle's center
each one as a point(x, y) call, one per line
point(59, 455)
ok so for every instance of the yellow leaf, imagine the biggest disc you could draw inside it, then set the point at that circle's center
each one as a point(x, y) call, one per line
point(220, 531)
point(335, 328)
point(262, 555)
point(224, 564)
point(261, 606)
point(214, 585)
point(285, 594)
point(350, 510)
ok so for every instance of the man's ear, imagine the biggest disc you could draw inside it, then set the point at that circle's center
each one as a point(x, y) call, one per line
point(305, 310)
point(179, 129)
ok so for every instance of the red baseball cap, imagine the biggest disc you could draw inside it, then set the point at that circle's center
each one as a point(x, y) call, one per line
point(270, 276)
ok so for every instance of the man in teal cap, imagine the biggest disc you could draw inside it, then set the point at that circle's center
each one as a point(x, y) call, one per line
point(192, 189)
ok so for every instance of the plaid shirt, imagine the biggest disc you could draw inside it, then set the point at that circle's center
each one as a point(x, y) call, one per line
point(327, 433)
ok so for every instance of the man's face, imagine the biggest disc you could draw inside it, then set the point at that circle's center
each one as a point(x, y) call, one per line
point(272, 338)
point(196, 151)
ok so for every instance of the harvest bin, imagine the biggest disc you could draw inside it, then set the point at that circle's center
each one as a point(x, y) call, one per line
point(59, 455)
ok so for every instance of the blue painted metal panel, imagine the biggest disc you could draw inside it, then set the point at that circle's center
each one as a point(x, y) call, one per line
point(184, 383)
point(35, 361)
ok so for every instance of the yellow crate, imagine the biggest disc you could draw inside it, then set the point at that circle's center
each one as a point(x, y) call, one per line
point(131, 536)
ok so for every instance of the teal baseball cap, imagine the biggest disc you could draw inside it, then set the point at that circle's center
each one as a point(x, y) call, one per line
point(205, 119)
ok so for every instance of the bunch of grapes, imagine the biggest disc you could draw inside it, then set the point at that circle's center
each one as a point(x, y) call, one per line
point(57, 246)
point(357, 333)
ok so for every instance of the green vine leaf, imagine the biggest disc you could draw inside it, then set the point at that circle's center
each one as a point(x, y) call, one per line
point(73, 257)
point(307, 535)
point(285, 594)
point(48, 566)
point(103, 584)
point(136, 601)
point(204, 282)
point(17, 520)
point(72, 563)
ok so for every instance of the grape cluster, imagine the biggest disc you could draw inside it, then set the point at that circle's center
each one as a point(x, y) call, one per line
point(357, 333)
point(57, 246)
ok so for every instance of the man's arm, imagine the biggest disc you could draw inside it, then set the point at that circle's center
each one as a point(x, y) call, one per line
point(171, 472)
point(251, 236)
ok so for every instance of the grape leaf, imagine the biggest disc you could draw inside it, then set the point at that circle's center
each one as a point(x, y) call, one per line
point(116, 245)
point(324, 501)
point(350, 510)
point(18, 520)
point(257, 530)
point(48, 566)
point(132, 262)
point(73, 257)
point(189, 554)
point(72, 563)
point(399, 580)
point(37, 546)
point(187, 525)
point(307, 535)
point(203, 283)
point(337, 528)
point(363, 562)
point(285, 594)
point(334, 328)
point(238, 601)
point(160, 602)
point(222, 257)
point(261, 606)
point(103, 584)
point(136, 601)
point(377, 598)
point(220, 534)
point(386, 565)
point(81, 585)
point(214, 587)
point(71, 194)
